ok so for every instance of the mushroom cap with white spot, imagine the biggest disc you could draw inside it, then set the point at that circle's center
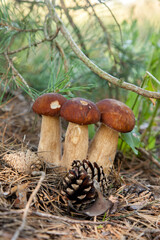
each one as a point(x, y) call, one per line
point(49, 104)
point(80, 111)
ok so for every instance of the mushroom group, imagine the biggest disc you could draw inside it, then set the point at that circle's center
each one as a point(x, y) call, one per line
point(114, 116)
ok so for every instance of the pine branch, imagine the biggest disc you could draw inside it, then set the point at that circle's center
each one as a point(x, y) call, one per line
point(15, 71)
point(104, 29)
point(61, 51)
point(74, 26)
point(35, 43)
point(30, 2)
point(97, 70)
point(114, 19)
point(18, 29)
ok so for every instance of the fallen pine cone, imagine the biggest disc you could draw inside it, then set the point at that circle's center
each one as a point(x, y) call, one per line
point(84, 186)
point(24, 162)
point(94, 171)
point(78, 188)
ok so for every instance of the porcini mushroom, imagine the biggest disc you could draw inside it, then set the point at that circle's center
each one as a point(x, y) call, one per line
point(115, 117)
point(48, 105)
point(79, 113)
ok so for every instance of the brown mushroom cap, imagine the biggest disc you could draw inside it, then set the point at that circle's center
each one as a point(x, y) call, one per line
point(80, 111)
point(49, 104)
point(116, 115)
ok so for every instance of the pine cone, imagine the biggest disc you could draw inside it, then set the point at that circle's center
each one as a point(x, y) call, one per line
point(78, 188)
point(24, 162)
point(78, 185)
point(94, 171)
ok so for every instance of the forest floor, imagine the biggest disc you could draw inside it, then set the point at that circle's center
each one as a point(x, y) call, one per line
point(31, 205)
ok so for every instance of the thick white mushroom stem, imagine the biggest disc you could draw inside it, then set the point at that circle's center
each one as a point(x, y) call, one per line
point(103, 148)
point(76, 144)
point(49, 148)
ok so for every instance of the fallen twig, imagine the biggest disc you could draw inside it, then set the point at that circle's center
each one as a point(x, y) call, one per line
point(70, 220)
point(84, 222)
point(26, 210)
